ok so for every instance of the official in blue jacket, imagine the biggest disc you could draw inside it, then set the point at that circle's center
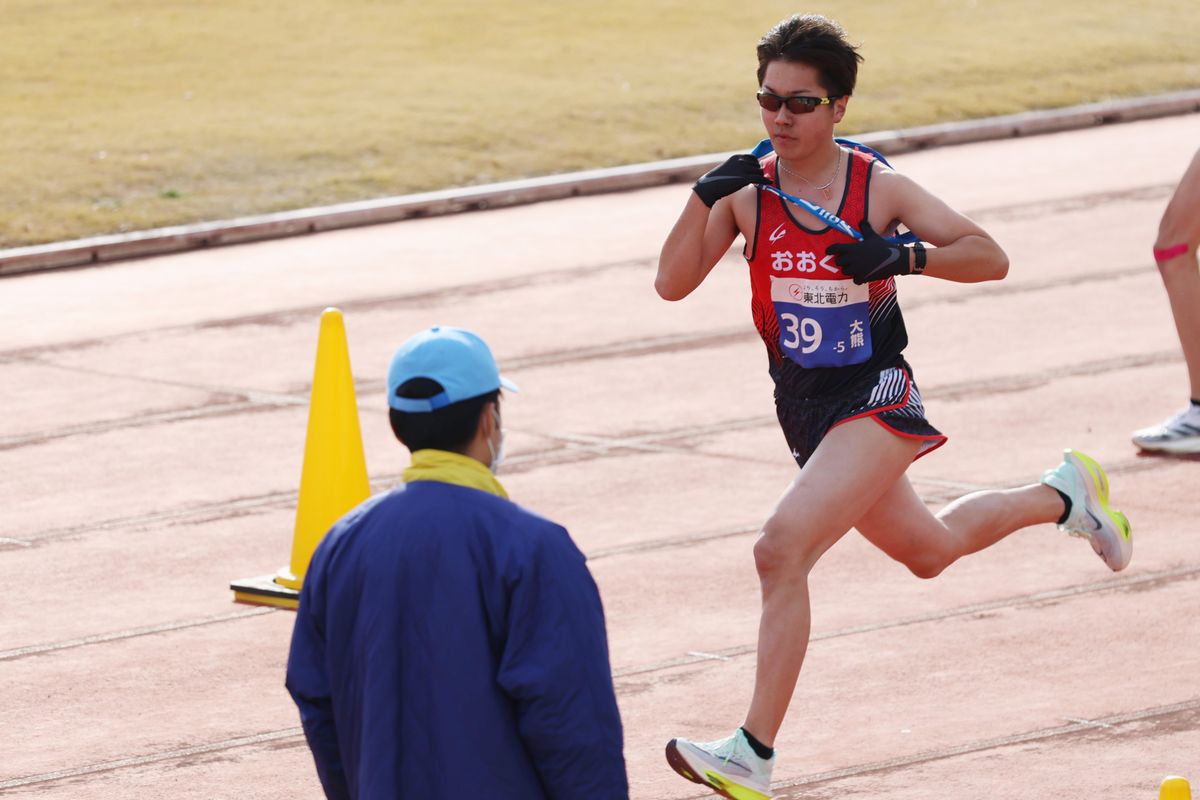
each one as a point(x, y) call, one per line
point(449, 643)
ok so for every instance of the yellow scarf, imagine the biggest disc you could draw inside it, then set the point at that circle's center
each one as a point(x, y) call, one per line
point(447, 467)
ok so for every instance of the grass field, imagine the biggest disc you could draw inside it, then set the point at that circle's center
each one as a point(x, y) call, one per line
point(132, 114)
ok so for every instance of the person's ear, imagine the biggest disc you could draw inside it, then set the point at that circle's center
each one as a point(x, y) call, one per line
point(839, 108)
point(487, 423)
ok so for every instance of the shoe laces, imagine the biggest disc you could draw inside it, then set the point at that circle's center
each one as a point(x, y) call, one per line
point(1190, 415)
point(730, 749)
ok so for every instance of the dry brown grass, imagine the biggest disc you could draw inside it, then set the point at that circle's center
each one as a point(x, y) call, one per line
point(120, 115)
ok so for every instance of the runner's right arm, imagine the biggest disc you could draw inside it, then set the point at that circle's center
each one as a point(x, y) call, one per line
point(705, 229)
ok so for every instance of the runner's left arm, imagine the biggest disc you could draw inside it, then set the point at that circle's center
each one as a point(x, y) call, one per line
point(962, 251)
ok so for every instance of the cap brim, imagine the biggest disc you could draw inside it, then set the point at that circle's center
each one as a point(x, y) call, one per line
point(507, 384)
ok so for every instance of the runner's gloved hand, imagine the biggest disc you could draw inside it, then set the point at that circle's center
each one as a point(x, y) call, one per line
point(737, 171)
point(872, 259)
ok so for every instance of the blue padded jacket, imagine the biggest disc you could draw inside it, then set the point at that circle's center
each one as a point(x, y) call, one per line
point(450, 644)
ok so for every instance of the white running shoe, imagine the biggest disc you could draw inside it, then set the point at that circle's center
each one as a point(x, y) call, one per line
point(1179, 434)
point(730, 766)
point(1081, 479)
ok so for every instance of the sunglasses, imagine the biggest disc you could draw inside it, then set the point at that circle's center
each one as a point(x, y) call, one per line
point(797, 103)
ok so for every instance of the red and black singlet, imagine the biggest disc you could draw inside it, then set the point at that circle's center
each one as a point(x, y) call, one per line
point(824, 335)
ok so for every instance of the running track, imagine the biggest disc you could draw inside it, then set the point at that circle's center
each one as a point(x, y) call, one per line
point(153, 415)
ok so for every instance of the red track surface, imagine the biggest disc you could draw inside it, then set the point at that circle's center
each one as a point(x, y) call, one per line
point(152, 432)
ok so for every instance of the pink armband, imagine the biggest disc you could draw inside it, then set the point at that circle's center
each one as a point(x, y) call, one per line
point(1167, 253)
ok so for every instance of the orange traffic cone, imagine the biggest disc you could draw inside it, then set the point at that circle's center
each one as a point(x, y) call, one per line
point(334, 477)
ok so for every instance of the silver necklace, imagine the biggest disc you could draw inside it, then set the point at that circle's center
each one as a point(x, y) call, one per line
point(825, 187)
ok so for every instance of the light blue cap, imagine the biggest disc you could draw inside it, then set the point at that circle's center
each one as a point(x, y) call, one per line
point(457, 359)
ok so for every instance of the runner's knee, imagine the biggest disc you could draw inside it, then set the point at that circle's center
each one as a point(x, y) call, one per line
point(771, 560)
point(922, 550)
point(922, 558)
point(925, 564)
point(1175, 230)
point(1177, 225)
point(781, 550)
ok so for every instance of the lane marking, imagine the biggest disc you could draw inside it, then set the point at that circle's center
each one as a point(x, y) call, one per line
point(217, 510)
point(672, 543)
point(153, 758)
point(1089, 722)
point(211, 411)
point(253, 401)
point(692, 657)
point(132, 633)
point(519, 463)
point(420, 299)
point(1113, 722)
point(1114, 584)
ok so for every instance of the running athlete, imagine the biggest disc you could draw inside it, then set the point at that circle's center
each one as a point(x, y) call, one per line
point(1175, 254)
point(826, 307)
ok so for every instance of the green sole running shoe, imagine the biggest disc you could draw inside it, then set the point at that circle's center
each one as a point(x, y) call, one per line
point(1081, 479)
point(728, 766)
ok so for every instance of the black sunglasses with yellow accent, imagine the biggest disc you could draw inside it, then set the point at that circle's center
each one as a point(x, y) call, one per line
point(797, 103)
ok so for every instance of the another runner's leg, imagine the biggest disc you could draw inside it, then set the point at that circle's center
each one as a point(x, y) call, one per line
point(1182, 282)
point(1180, 433)
point(1181, 224)
point(1175, 254)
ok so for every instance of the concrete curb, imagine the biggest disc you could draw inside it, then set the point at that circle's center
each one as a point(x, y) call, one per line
point(102, 249)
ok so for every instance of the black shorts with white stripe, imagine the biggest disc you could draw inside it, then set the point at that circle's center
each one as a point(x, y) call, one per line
point(891, 399)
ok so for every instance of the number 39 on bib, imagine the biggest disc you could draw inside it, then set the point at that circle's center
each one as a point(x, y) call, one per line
point(822, 323)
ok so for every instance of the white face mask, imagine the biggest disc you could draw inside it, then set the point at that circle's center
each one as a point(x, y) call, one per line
point(497, 453)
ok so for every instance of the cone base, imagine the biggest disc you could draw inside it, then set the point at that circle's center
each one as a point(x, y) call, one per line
point(264, 591)
point(287, 579)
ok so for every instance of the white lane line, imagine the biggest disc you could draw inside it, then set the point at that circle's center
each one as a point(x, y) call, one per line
point(130, 633)
point(151, 758)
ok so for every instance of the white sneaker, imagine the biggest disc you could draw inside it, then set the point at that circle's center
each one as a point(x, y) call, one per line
point(1179, 434)
point(728, 765)
point(1081, 479)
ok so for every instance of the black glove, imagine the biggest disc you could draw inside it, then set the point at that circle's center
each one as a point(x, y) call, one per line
point(872, 259)
point(737, 171)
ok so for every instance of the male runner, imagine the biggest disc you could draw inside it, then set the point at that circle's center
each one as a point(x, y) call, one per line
point(1175, 253)
point(827, 311)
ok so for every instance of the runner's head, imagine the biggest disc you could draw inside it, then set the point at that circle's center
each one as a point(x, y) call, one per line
point(444, 394)
point(818, 42)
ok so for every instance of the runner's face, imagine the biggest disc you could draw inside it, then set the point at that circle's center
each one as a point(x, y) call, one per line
point(795, 136)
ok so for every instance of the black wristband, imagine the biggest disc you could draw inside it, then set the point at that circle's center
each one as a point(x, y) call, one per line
point(918, 267)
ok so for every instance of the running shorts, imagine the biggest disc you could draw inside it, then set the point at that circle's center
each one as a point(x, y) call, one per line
point(892, 400)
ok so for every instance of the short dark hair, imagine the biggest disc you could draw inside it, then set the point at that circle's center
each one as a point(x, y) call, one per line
point(449, 428)
point(817, 41)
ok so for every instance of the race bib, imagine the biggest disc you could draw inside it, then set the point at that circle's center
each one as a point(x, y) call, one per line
point(822, 323)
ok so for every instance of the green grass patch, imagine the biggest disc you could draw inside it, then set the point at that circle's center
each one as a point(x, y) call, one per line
point(122, 115)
